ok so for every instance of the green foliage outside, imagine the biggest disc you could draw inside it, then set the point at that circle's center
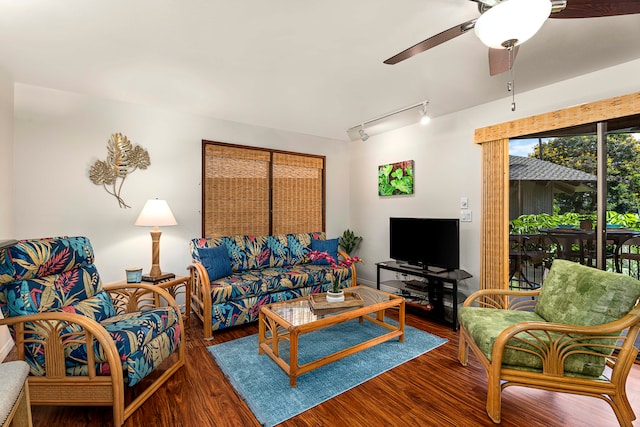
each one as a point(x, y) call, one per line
point(393, 182)
point(580, 153)
point(531, 224)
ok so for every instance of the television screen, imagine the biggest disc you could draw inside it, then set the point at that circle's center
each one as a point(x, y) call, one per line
point(426, 242)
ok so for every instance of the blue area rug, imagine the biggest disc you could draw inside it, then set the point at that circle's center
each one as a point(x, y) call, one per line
point(265, 387)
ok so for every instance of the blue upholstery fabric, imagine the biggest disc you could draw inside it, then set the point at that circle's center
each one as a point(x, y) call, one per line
point(58, 275)
point(216, 261)
point(255, 252)
point(329, 246)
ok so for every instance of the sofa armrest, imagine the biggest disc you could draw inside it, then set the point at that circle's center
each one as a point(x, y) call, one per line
point(132, 297)
point(45, 329)
point(201, 296)
point(342, 254)
point(564, 340)
point(503, 299)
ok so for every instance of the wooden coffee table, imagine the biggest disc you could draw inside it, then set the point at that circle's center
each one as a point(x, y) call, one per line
point(288, 320)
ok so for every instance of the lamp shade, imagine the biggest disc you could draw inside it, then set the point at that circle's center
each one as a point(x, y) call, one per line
point(156, 213)
point(512, 22)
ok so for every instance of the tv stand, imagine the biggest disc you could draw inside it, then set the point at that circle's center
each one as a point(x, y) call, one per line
point(410, 266)
point(436, 285)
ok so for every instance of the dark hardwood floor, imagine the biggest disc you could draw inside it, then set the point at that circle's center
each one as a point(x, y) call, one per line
point(431, 390)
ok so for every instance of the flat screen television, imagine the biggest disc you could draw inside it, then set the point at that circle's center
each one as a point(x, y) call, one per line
point(427, 243)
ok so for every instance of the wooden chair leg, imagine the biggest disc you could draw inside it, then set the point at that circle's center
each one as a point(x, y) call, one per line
point(494, 391)
point(463, 350)
point(622, 409)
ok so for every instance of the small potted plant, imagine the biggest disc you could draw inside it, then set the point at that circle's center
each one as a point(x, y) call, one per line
point(349, 241)
point(334, 293)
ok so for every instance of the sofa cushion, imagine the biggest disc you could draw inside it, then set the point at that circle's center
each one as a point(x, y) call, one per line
point(256, 252)
point(575, 294)
point(245, 284)
point(485, 324)
point(216, 261)
point(329, 246)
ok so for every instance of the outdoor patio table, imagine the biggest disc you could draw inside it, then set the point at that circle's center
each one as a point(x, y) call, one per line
point(566, 238)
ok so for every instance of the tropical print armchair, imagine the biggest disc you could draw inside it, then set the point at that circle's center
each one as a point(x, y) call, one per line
point(83, 341)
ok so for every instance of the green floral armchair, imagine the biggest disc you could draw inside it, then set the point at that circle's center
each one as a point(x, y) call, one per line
point(575, 335)
point(84, 342)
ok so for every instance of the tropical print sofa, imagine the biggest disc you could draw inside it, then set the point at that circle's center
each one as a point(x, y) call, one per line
point(259, 270)
point(68, 326)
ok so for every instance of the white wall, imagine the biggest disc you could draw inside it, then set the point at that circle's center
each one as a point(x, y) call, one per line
point(448, 165)
point(6, 180)
point(59, 135)
point(6, 156)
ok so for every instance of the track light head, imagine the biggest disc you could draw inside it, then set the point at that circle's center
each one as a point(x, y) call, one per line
point(363, 135)
point(424, 117)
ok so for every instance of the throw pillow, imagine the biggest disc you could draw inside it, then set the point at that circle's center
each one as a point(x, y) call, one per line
point(329, 246)
point(216, 261)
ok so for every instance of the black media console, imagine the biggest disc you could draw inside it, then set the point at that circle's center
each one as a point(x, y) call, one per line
point(427, 295)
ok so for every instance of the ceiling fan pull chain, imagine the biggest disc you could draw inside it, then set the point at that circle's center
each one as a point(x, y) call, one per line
point(511, 87)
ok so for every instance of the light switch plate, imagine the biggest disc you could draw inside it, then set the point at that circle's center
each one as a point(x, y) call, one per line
point(464, 202)
point(465, 215)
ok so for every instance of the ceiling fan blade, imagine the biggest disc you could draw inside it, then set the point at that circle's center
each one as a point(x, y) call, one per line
point(440, 38)
point(597, 8)
point(499, 60)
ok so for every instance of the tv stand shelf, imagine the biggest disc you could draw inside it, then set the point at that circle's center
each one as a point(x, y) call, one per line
point(436, 285)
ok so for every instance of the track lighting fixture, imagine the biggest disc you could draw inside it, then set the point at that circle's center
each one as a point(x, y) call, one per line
point(363, 135)
point(424, 117)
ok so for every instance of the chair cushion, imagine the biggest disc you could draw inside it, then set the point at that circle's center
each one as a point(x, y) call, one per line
point(576, 294)
point(216, 261)
point(485, 324)
point(42, 257)
point(143, 340)
point(329, 246)
point(72, 291)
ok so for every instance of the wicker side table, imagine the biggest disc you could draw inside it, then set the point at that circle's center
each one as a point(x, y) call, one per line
point(178, 285)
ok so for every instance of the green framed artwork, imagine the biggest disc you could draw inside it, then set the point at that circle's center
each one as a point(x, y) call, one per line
point(395, 179)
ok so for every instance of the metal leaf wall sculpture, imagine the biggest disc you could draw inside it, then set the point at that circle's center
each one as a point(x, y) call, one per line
point(122, 159)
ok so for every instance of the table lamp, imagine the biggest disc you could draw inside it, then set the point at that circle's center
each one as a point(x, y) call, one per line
point(156, 213)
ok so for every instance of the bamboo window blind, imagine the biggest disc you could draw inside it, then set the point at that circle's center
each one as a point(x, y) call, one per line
point(257, 191)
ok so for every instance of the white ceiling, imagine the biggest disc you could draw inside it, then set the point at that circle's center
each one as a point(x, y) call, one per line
point(313, 67)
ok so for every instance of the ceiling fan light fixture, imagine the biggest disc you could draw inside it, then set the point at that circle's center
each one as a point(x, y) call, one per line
point(512, 22)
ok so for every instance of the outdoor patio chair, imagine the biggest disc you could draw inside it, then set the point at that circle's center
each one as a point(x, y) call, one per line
point(83, 342)
point(628, 257)
point(565, 337)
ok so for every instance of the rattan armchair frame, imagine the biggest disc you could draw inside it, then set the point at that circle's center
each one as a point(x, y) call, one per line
point(563, 341)
point(201, 304)
point(56, 388)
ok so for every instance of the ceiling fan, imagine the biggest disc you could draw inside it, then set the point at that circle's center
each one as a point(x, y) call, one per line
point(502, 54)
